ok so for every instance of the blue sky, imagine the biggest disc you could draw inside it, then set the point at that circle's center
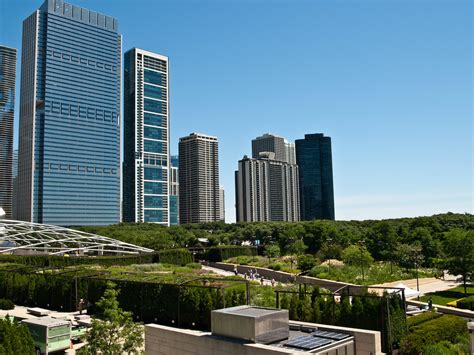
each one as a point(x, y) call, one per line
point(390, 82)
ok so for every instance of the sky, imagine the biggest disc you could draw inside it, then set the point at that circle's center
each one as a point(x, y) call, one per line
point(389, 81)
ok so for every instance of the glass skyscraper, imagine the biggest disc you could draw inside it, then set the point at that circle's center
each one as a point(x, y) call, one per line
point(69, 142)
point(7, 108)
point(146, 138)
point(174, 190)
point(314, 159)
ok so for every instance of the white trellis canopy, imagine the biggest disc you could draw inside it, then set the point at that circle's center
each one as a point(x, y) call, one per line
point(18, 237)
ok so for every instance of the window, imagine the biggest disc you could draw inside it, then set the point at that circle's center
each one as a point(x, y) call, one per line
point(155, 92)
point(154, 120)
point(156, 188)
point(154, 77)
point(154, 216)
point(154, 147)
point(153, 174)
point(154, 133)
point(155, 106)
point(154, 202)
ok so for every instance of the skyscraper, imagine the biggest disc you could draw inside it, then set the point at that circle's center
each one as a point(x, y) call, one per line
point(174, 190)
point(314, 159)
point(284, 151)
point(69, 142)
point(7, 108)
point(198, 179)
point(146, 138)
point(222, 204)
point(266, 190)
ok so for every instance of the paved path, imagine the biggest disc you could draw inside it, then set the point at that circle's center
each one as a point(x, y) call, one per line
point(229, 273)
point(429, 284)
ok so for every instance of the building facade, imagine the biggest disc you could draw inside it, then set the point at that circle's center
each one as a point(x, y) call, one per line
point(146, 138)
point(7, 110)
point(198, 179)
point(174, 190)
point(222, 204)
point(69, 141)
point(284, 150)
point(314, 159)
point(266, 190)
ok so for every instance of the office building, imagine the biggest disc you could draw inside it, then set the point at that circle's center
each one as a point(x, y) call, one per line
point(69, 141)
point(284, 151)
point(266, 190)
point(174, 190)
point(7, 110)
point(146, 138)
point(198, 179)
point(15, 184)
point(222, 204)
point(314, 159)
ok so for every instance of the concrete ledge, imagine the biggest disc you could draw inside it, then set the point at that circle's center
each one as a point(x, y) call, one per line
point(445, 310)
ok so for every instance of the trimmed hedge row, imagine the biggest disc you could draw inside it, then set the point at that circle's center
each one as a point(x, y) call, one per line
point(444, 328)
point(466, 303)
point(172, 256)
point(168, 304)
point(421, 318)
point(221, 253)
point(6, 304)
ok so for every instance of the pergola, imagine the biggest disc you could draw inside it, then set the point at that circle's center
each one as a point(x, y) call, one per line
point(18, 237)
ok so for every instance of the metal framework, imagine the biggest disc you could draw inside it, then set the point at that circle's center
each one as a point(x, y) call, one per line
point(19, 237)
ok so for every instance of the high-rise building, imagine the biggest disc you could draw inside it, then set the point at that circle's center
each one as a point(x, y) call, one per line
point(284, 151)
point(7, 108)
point(69, 141)
point(198, 179)
point(266, 190)
point(15, 184)
point(146, 138)
point(174, 190)
point(314, 159)
point(222, 204)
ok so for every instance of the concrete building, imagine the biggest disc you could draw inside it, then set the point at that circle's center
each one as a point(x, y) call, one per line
point(7, 110)
point(250, 330)
point(290, 152)
point(146, 138)
point(222, 204)
point(284, 150)
point(198, 179)
point(314, 159)
point(174, 190)
point(266, 190)
point(69, 140)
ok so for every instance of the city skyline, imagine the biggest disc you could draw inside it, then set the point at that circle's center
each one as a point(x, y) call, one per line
point(387, 156)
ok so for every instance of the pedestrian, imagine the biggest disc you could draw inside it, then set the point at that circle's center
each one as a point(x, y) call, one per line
point(273, 282)
point(261, 280)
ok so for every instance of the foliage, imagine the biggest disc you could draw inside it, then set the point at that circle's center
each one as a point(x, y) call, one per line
point(445, 328)
point(421, 318)
point(115, 332)
point(461, 346)
point(15, 338)
point(306, 262)
point(466, 303)
point(6, 304)
point(271, 251)
point(357, 255)
point(225, 252)
point(459, 248)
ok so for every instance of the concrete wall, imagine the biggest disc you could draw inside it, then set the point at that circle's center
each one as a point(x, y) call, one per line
point(466, 313)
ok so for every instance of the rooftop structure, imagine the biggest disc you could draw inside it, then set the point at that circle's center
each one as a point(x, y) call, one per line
point(18, 237)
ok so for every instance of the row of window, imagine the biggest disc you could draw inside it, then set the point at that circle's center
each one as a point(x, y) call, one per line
point(155, 133)
point(155, 92)
point(73, 110)
point(155, 160)
point(80, 168)
point(156, 188)
point(155, 174)
point(155, 106)
point(154, 77)
point(154, 146)
point(80, 60)
point(156, 202)
point(156, 216)
point(154, 120)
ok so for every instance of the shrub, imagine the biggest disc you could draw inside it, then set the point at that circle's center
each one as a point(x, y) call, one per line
point(444, 328)
point(175, 256)
point(421, 318)
point(193, 265)
point(466, 303)
point(6, 304)
point(224, 252)
point(306, 262)
point(15, 338)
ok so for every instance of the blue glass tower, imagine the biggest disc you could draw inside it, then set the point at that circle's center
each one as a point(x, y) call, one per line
point(146, 138)
point(174, 190)
point(314, 159)
point(69, 143)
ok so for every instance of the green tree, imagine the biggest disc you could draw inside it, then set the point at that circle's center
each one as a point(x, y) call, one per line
point(357, 255)
point(272, 251)
point(306, 262)
point(115, 332)
point(295, 249)
point(15, 338)
point(459, 248)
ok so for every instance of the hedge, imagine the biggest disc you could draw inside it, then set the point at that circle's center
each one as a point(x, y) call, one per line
point(444, 328)
point(466, 303)
point(172, 256)
point(421, 318)
point(6, 304)
point(149, 302)
point(225, 252)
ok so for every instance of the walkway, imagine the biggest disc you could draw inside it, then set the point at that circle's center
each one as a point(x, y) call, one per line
point(427, 285)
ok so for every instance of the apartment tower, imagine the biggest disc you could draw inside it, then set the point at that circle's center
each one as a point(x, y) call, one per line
point(146, 138)
point(198, 179)
point(69, 142)
point(7, 108)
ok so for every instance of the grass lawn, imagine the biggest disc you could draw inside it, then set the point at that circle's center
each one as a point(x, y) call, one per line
point(443, 297)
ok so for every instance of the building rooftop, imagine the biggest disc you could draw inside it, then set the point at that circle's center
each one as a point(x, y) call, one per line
point(46, 321)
